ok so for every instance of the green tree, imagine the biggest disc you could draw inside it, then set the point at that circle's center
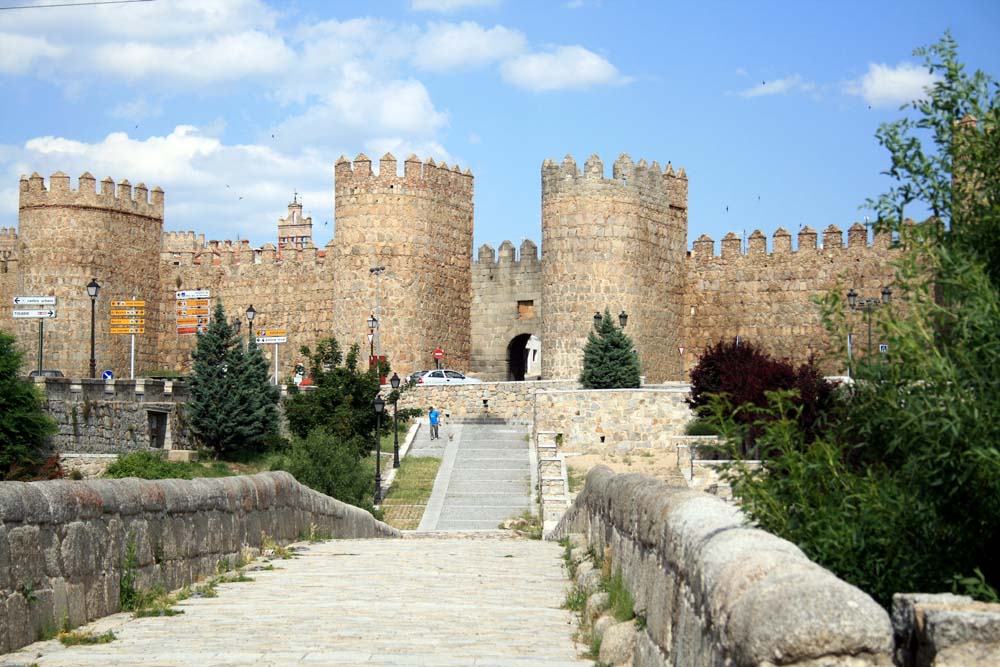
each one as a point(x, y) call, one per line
point(331, 465)
point(232, 406)
point(609, 359)
point(23, 425)
point(903, 491)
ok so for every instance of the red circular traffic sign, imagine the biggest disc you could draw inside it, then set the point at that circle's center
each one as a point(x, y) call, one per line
point(439, 353)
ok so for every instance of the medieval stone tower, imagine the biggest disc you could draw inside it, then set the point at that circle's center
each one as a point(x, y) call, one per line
point(616, 244)
point(419, 227)
point(67, 237)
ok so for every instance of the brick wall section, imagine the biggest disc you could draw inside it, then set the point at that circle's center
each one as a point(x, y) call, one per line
point(713, 589)
point(511, 401)
point(65, 238)
point(65, 541)
point(419, 226)
point(499, 281)
point(112, 417)
point(615, 244)
point(627, 419)
point(766, 297)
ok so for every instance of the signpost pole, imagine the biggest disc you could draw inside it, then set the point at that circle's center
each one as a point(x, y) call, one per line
point(131, 366)
point(41, 328)
point(275, 364)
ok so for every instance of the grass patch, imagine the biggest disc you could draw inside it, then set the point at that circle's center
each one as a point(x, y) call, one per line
point(576, 479)
point(85, 638)
point(576, 599)
point(527, 525)
point(270, 547)
point(151, 465)
point(237, 578)
point(206, 589)
point(404, 504)
point(620, 601)
point(314, 535)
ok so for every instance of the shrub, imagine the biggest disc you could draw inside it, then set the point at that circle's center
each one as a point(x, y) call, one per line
point(152, 465)
point(23, 426)
point(745, 374)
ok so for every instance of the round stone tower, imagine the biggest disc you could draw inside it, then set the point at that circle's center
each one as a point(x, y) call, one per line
point(419, 227)
point(67, 237)
point(616, 244)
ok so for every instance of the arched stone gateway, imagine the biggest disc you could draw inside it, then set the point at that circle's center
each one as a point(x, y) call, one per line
point(524, 357)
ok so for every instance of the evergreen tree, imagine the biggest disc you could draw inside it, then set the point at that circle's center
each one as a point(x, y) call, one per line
point(23, 425)
point(609, 360)
point(232, 404)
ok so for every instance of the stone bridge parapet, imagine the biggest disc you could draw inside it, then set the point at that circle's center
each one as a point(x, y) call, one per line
point(716, 591)
point(63, 543)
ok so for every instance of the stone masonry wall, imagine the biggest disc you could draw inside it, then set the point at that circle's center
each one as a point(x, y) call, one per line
point(63, 544)
point(594, 421)
point(616, 244)
point(713, 589)
point(506, 303)
point(419, 227)
point(113, 417)
point(65, 238)
point(767, 297)
point(510, 401)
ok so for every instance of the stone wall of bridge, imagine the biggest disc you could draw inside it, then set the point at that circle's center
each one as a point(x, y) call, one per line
point(511, 401)
point(63, 543)
point(713, 589)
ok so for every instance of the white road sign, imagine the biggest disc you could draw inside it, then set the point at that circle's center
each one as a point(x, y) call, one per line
point(193, 294)
point(265, 340)
point(34, 301)
point(24, 313)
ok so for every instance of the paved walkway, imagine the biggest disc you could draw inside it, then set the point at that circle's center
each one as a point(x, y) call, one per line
point(481, 601)
point(485, 476)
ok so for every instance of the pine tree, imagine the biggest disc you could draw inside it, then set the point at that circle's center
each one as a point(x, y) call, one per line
point(23, 425)
point(232, 404)
point(609, 360)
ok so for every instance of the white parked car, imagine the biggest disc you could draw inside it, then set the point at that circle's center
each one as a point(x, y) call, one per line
point(445, 376)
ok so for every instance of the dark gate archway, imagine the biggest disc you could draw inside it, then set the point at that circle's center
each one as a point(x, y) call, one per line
point(517, 357)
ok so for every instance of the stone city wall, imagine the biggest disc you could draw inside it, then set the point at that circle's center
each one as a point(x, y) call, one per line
point(601, 421)
point(506, 303)
point(714, 590)
point(510, 401)
point(63, 543)
point(766, 297)
point(114, 416)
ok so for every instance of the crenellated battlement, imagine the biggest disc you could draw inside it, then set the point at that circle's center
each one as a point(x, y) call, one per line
point(182, 242)
point(646, 180)
point(8, 242)
point(416, 175)
point(488, 257)
point(732, 246)
point(125, 198)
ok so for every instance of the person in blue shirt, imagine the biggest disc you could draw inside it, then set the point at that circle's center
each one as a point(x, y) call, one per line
point(435, 417)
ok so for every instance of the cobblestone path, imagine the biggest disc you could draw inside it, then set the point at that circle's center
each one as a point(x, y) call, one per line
point(477, 600)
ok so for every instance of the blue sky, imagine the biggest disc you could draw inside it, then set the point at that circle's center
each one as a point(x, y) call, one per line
point(229, 106)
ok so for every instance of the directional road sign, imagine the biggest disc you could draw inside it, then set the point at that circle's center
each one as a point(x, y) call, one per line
point(128, 304)
point(34, 301)
point(127, 312)
point(128, 330)
point(193, 294)
point(191, 330)
point(266, 340)
point(271, 332)
point(127, 320)
point(108, 375)
point(187, 312)
point(192, 303)
point(26, 313)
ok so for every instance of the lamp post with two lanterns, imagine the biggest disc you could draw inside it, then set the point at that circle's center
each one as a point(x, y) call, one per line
point(867, 306)
point(622, 319)
point(394, 382)
point(379, 405)
point(93, 290)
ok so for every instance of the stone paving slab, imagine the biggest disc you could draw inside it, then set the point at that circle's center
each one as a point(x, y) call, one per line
point(482, 475)
point(465, 454)
point(495, 486)
point(439, 601)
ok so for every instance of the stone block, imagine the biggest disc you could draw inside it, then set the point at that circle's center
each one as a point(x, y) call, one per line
point(182, 455)
point(945, 630)
point(618, 644)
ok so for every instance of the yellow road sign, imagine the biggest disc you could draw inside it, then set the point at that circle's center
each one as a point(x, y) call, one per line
point(128, 330)
point(187, 312)
point(127, 312)
point(128, 304)
point(271, 332)
point(190, 321)
point(127, 320)
point(192, 303)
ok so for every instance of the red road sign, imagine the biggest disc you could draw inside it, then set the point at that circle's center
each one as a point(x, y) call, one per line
point(439, 354)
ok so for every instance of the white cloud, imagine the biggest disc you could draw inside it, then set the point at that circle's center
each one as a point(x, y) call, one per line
point(450, 45)
point(448, 6)
point(224, 58)
point(777, 87)
point(138, 109)
point(211, 187)
point(566, 67)
point(884, 85)
point(18, 53)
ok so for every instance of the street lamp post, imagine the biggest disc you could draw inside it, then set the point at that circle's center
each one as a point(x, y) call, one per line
point(372, 328)
point(867, 306)
point(622, 319)
point(377, 271)
point(597, 319)
point(93, 289)
point(379, 405)
point(251, 313)
point(394, 382)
